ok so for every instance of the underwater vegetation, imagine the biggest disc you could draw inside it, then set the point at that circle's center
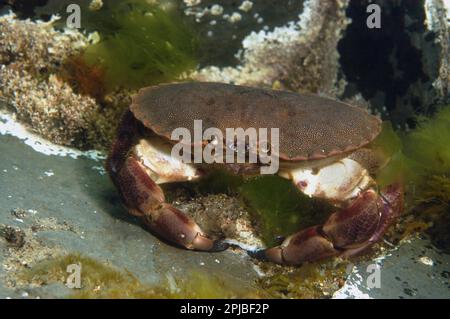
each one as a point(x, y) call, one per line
point(279, 207)
point(429, 147)
point(420, 159)
point(417, 155)
point(429, 144)
point(311, 280)
point(86, 79)
point(137, 43)
point(100, 280)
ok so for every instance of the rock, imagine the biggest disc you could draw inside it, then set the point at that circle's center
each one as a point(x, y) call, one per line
point(69, 205)
point(402, 67)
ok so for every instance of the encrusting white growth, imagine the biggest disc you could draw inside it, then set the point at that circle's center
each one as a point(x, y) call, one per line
point(9, 126)
point(38, 68)
point(437, 20)
point(306, 47)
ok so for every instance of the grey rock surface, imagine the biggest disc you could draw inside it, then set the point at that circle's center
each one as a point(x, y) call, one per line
point(86, 217)
point(415, 269)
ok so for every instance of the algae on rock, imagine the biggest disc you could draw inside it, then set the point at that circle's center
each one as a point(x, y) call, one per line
point(279, 209)
point(101, 280)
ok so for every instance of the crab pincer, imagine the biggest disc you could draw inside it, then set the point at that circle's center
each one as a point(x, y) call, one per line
point(347, 232)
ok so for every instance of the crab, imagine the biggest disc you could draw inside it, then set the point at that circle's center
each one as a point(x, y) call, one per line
point(322, 150)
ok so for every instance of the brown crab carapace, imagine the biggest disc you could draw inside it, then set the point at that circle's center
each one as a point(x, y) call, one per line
point(322, 150)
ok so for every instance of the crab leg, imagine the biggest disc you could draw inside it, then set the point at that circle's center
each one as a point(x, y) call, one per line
point(144, 198)
point(346, 232)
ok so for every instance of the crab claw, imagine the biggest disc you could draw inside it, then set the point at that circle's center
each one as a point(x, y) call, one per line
point(305, 245)
point(145, 199)
point(346, 232)
point(176, 227)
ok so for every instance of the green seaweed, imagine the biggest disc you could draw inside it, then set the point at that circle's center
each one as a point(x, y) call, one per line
point(429, 144)
point(399, 168)
point(429, 147)
point(280, 208)
point(420, 159)
point(140, 44)
point(415, 155)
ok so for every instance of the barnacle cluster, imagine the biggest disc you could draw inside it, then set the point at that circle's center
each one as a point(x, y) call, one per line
point(30, 53)
point(33, 83)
